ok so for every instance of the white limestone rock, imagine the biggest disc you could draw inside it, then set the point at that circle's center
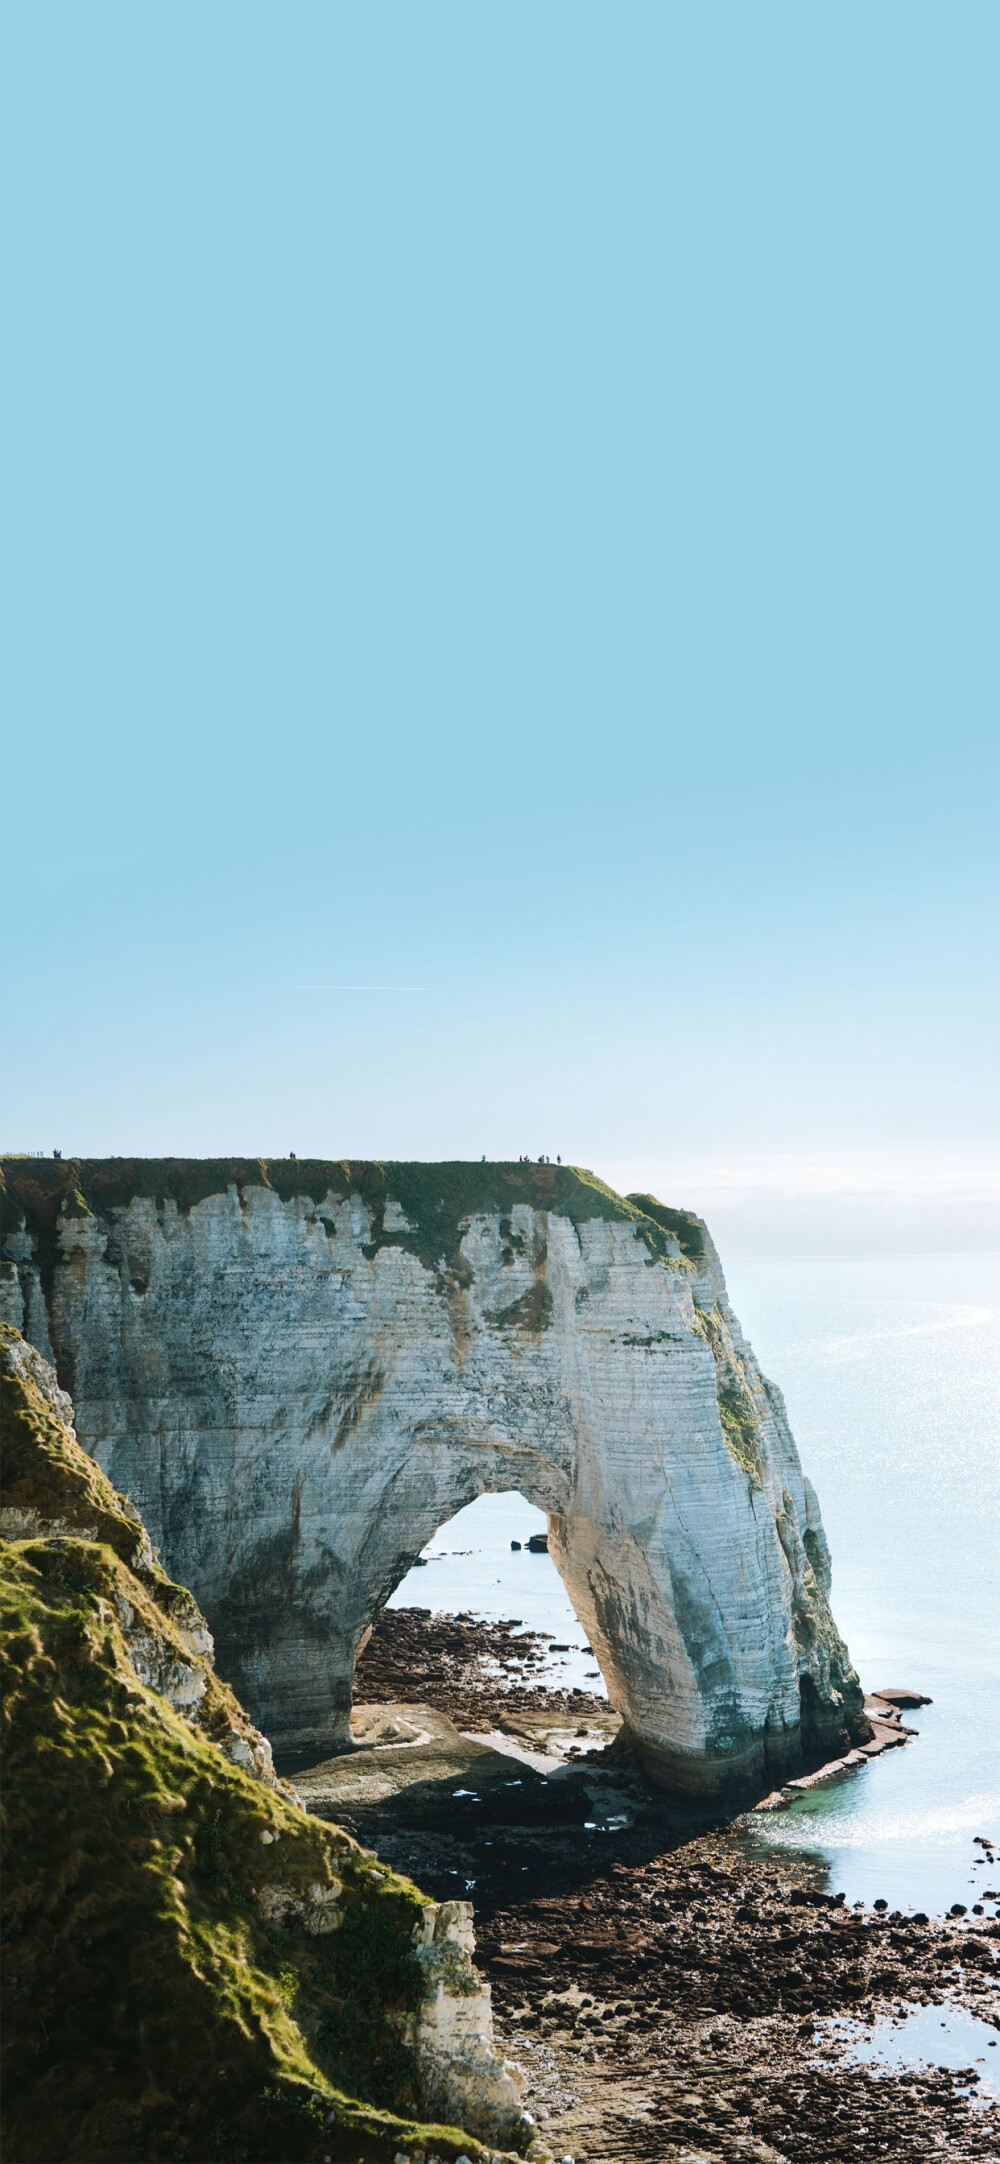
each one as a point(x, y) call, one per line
point(297, 1388)
point(462, 2080)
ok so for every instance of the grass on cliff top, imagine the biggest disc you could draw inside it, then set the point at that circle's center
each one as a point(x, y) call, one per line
point(150, 2011)
point(687, 1229)
point(436, 1199)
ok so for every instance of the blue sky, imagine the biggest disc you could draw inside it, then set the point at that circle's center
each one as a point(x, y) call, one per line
point(503, 503)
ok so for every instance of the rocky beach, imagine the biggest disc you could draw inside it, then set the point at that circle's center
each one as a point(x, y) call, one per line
point(670, 1992)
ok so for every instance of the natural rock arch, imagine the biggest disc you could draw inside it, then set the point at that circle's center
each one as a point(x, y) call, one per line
point(300, 1371)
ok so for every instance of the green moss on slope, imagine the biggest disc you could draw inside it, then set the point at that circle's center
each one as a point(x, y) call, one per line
point(739, 1412)
point(165, 1996)
point(49, 1484)
point(683, 1226)
point(46, 1474)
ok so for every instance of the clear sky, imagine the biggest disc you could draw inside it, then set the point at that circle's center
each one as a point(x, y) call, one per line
point(502, 511)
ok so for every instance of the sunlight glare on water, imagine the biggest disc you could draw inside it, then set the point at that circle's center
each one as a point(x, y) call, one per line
point(917, 2036)
point(891, 1372)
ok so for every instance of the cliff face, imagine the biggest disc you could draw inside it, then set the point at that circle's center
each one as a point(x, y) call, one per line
point(193, 1966)
point(299, 1371)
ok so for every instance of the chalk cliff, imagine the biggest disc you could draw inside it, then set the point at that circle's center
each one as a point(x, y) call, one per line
point(298, 1371)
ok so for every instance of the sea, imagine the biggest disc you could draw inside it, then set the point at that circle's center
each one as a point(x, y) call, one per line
point(890, 1368)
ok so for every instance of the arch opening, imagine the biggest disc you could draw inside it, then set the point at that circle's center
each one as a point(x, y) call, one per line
point(479, 1649)
point(479, 1563)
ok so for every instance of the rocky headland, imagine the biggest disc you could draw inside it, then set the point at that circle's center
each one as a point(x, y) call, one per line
point(293, 1374)
point(198, 1967)
point(298, 1371)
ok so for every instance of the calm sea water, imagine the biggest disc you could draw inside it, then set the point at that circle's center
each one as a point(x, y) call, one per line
point(891, 1371)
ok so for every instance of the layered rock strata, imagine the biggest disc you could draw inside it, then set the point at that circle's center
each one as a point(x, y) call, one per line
point(298, 1371)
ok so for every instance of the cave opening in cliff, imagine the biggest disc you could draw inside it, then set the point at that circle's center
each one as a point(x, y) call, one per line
point(489, 1563)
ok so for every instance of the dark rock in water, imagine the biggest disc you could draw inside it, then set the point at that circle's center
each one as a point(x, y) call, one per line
point(539, 1544)
point(710, 1983)
point(516, 1544)
point(903, 1698)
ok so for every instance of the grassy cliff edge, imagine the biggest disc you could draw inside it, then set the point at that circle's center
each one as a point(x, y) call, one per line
point(437, 1199)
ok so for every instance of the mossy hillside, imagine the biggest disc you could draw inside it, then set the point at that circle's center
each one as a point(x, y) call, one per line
point(152, 2010)
point(437, 1200)
point(49, 1485)
point(44, 1470)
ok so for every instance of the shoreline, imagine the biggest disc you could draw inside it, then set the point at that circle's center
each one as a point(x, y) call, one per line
point(671, 1995)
